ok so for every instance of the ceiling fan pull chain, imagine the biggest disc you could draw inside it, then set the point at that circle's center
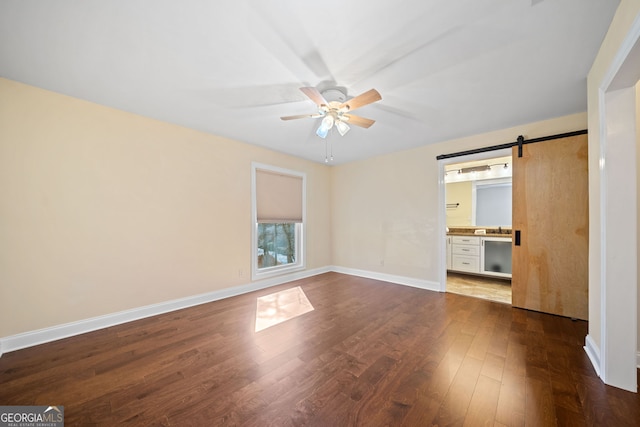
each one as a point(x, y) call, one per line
point(326, 160)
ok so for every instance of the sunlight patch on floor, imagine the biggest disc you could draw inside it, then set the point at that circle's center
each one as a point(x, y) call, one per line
point(280, 306)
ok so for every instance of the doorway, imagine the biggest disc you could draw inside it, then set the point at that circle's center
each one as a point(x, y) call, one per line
point(477, 204)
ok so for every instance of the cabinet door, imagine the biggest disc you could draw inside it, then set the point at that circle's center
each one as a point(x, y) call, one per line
point(495, 257)
point(550, 211)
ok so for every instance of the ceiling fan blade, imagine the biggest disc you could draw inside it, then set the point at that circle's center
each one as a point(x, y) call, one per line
point(363, 99)
point(300, 116)
point(358, 121)
point(314, 95)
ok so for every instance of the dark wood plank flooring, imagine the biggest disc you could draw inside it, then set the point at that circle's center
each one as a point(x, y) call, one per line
point(370, 354)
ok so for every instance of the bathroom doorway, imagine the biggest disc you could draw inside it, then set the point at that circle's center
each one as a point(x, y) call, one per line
point(478, 228)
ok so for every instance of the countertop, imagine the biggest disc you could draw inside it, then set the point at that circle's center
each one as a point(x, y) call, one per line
point(481, 235)
point(470, 231)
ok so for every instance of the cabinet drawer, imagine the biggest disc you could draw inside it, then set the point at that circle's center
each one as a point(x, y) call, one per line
point(466, 250)
point(466, 263)
point(465, 240)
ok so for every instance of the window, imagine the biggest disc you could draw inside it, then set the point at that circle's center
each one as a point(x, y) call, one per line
point(276, 244)
point(278, 201)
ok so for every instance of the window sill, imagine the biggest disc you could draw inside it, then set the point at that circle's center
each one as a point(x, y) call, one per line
point(275, 271)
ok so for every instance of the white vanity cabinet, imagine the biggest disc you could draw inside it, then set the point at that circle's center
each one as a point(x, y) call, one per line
point(486, 255)
point(465, 254)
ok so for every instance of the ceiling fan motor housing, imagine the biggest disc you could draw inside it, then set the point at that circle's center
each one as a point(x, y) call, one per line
point(334, 95)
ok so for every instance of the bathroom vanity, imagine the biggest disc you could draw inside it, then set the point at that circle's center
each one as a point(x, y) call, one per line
point(485, 254)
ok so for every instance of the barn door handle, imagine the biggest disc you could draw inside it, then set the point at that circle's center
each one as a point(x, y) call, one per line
point(517, 237)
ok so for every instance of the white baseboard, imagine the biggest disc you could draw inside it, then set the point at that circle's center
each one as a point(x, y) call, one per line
point(41, 336)
point(400, 280)
point(593, 352)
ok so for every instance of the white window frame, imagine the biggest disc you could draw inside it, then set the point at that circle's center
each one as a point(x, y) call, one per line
point(300, 263)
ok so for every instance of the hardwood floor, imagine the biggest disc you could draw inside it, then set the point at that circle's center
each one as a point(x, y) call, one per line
point(493, 289)
point(370, 353)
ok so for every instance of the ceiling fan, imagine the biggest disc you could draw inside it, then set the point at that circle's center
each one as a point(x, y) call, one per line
point(335, 109)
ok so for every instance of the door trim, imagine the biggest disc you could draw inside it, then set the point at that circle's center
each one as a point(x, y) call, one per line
point(614, 365)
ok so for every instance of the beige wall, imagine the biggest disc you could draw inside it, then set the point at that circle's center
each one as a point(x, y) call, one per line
point(627, 12)
point(103, 211)
point(459, 192)
point(385, 209)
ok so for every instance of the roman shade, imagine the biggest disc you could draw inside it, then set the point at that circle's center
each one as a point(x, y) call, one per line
point(278, 197)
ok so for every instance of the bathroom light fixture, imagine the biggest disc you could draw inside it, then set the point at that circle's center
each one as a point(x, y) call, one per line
point(475, 169)
point(504, 165)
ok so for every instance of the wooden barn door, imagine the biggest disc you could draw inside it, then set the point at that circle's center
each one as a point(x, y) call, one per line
point(550, 215)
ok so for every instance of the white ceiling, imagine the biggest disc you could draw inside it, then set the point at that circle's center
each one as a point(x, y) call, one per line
point(445, 68)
